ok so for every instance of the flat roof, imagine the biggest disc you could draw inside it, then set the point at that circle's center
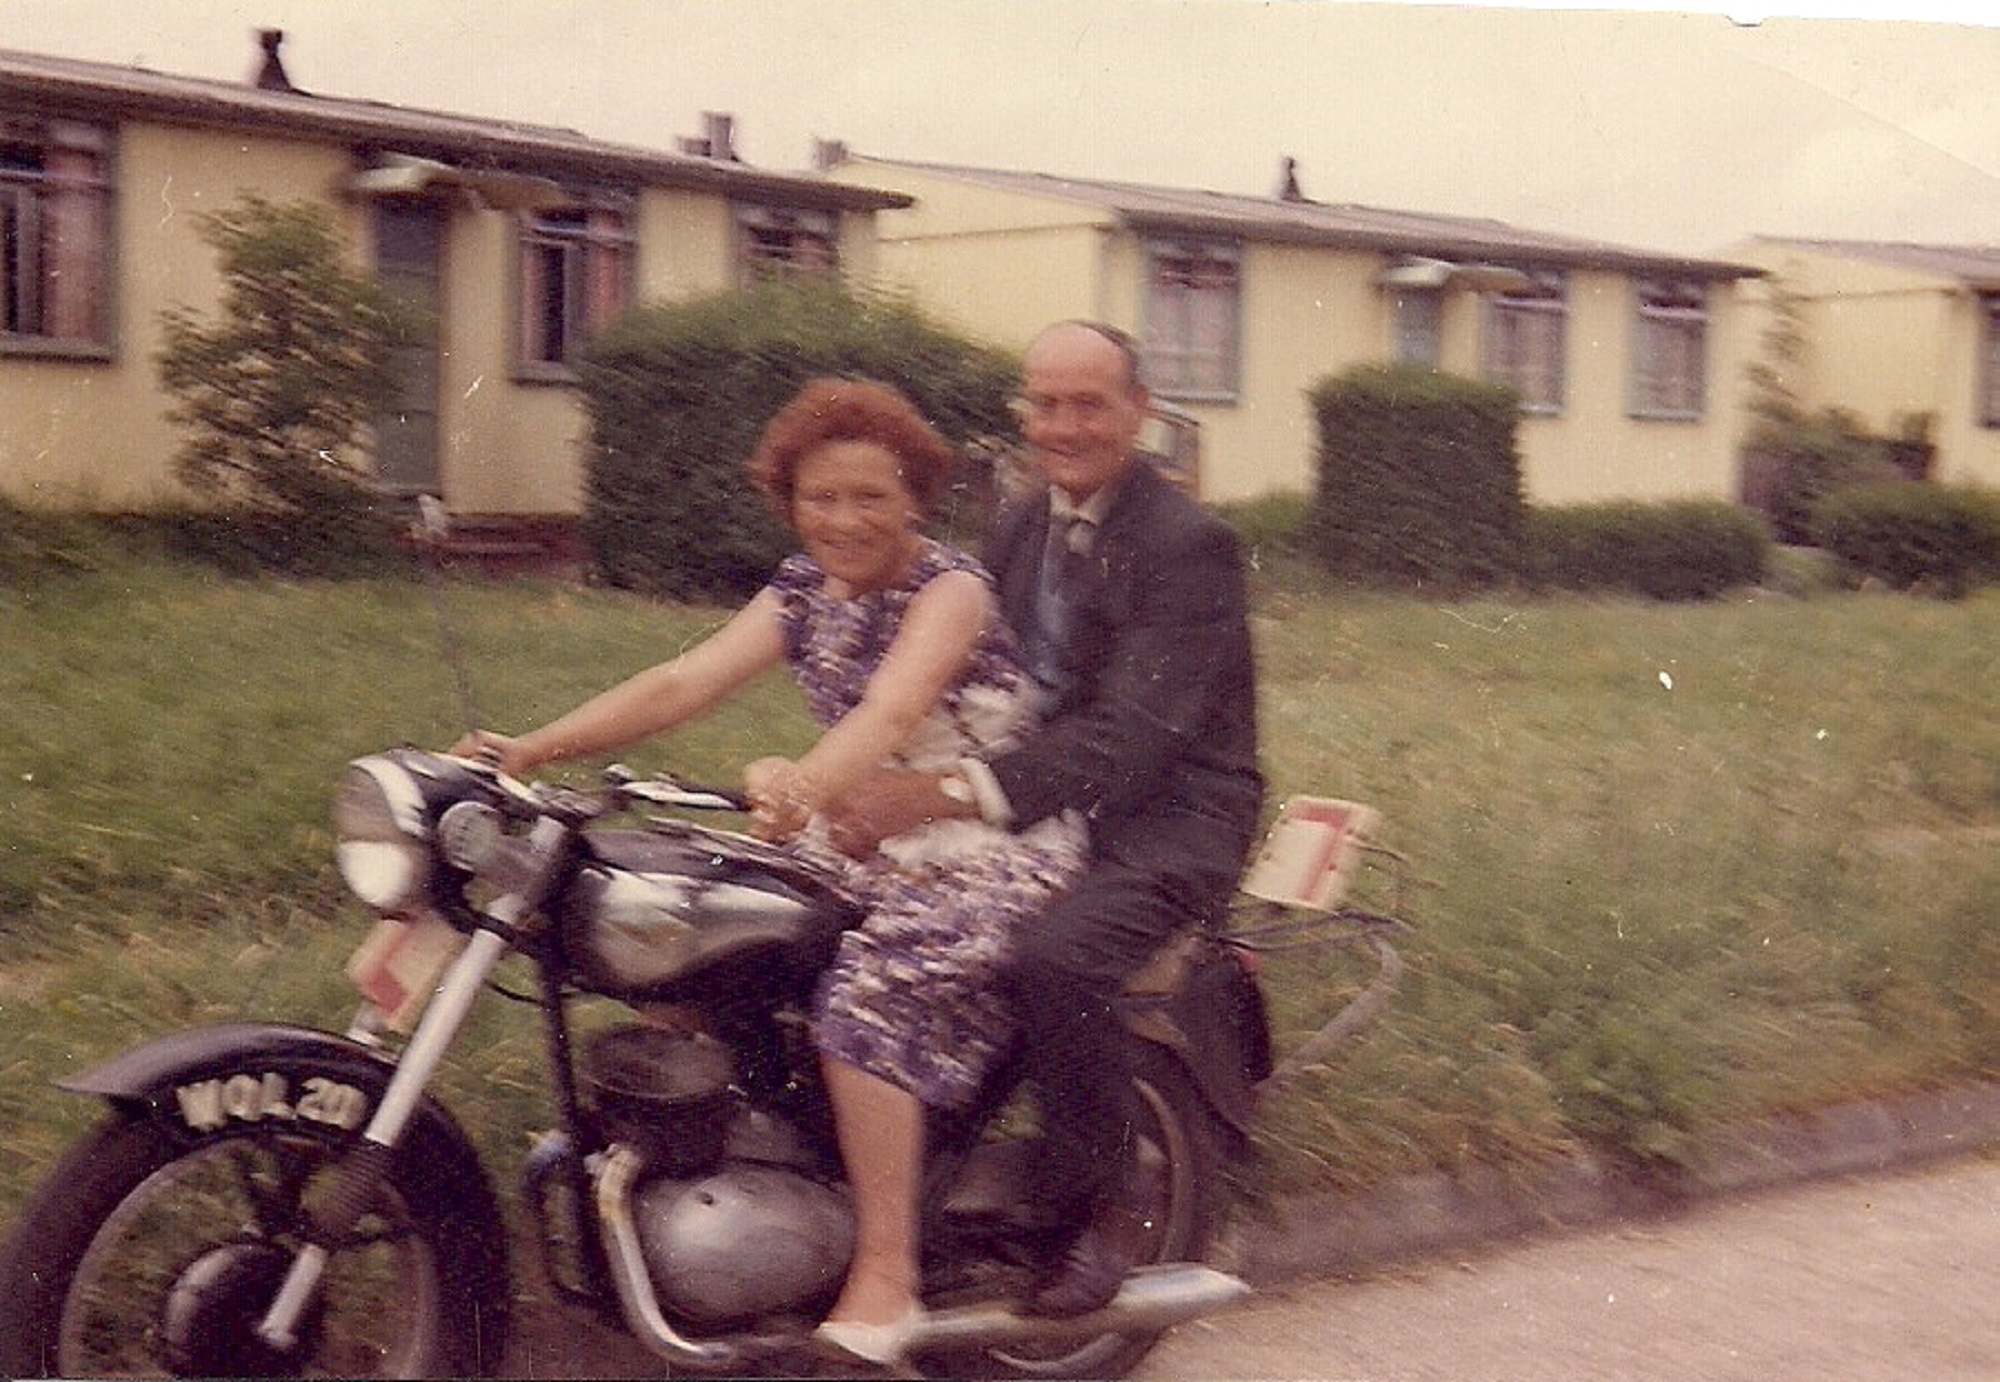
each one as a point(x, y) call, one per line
point(1185, 211)
point(55, 86)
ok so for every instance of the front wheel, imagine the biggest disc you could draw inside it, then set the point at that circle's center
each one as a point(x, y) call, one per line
point(1178, 1187)
point(149, 1252)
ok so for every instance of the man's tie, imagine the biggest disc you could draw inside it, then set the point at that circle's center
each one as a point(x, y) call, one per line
point(1063, 558)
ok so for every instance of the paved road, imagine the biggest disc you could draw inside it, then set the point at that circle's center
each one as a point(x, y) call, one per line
point(1888, 1278)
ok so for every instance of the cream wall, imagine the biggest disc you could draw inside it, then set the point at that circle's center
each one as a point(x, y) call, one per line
point(1001, 289)
point(1307, 313)
point(1884, 343)
point(1595, 450)
point(91, 432)
point(997, 266)
point(684, 239)
point(505, 446)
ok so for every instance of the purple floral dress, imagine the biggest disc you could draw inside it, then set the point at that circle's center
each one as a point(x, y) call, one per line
point(910, 997)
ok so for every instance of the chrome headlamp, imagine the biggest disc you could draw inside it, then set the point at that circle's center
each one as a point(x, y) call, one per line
point(381, 834)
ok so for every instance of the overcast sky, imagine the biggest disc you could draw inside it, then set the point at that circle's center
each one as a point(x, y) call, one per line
point(1673, 131)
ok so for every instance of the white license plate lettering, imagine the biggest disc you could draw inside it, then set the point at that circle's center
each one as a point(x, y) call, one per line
point(206, 1105)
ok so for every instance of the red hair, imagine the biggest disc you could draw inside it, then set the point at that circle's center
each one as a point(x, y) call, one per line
point(828, 409)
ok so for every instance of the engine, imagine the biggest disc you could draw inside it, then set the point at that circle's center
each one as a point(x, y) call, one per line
point(743, 1242)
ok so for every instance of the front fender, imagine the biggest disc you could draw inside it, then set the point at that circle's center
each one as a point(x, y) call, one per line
point(206, 1079)
point(146, 1072)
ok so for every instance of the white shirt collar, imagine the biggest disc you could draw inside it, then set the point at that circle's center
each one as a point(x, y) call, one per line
point(1091, 510)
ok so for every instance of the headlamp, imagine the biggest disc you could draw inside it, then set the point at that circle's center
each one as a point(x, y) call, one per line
point(380, 833)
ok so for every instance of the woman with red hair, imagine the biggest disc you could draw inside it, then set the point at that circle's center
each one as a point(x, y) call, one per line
point(898, 646)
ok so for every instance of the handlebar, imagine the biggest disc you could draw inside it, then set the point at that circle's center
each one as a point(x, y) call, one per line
point(622, 788)
point(628, 787)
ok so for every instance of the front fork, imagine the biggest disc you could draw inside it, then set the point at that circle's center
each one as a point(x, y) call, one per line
point(355, 1179)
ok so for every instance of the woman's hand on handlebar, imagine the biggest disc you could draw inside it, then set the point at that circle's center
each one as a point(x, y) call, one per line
point(496, 750)
point(781, 798)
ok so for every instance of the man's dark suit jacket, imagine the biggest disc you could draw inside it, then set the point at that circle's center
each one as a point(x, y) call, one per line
point(1154, 737)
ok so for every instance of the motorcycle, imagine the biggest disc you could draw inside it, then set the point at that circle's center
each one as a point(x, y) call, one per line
point(273, 1200)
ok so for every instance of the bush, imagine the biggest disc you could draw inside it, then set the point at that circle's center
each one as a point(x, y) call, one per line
point(1910, 535)
point(1681, 550)
point(678, 394)
point(276, 389)
point(1794, 464)
point(1419, 482)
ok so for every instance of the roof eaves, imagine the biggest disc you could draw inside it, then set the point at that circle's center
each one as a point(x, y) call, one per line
point(1447, 242)
point(1161, 210)
point(136, 94)
point(1975, 267)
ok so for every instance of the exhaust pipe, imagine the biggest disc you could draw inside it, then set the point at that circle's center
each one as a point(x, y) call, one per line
point(1152, 1298)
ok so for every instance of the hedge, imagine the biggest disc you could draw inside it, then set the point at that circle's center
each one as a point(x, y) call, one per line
point(677, 395)
point(1691, 549)
point(1935, 538)
point(1418, 482)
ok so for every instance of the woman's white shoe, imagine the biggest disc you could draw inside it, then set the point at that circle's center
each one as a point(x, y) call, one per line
point(881, 1344)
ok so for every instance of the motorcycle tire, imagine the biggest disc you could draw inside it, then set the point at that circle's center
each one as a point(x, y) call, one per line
point(151, 1252)
point(1180, 1184)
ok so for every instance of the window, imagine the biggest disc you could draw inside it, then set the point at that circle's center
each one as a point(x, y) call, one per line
point(785, 241)
point(1989, 357)
point(1524, 341)
point(1193, 305)
point(1670, 347)
point(1419, 325)
point(55, 241)
point(576, 276)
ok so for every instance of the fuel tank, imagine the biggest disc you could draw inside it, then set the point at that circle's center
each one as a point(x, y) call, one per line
point(659, 914)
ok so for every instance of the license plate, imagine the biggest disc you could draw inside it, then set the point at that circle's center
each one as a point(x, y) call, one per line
point(398, 967)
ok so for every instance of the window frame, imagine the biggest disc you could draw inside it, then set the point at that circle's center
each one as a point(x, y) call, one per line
point(1664, 311)
point(1989, 361)
point(37, 201)
point(1416, 326)
point(576, 270)
point(770, 239)
point(1532, 319)
point(1173, 357)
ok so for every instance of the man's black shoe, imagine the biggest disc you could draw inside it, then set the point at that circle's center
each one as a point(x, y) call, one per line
point(1088, 1276)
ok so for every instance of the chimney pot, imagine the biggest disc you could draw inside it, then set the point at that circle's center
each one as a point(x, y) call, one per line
point(721, 132)
point(1288, 182)
point(271, 75)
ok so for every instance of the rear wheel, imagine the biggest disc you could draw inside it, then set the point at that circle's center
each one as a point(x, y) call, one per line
point(148, 1253)
point(1178, 1185)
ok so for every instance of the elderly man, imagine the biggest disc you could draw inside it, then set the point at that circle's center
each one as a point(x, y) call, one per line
point(1131, 599)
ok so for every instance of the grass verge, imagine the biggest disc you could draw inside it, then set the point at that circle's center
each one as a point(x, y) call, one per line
point(1680, 864)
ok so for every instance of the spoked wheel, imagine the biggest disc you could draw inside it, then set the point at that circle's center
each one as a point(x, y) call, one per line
point(150, 1253)
point(1178, 1186)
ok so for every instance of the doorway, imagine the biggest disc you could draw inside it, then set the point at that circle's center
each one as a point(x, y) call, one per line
point(409, 262)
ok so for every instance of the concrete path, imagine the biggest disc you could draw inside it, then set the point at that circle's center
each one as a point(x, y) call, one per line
point(1883, 1278)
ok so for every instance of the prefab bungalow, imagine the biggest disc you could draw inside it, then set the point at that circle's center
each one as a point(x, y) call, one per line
point(524, 239)
point(1903, 337)
point(1628, 363)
